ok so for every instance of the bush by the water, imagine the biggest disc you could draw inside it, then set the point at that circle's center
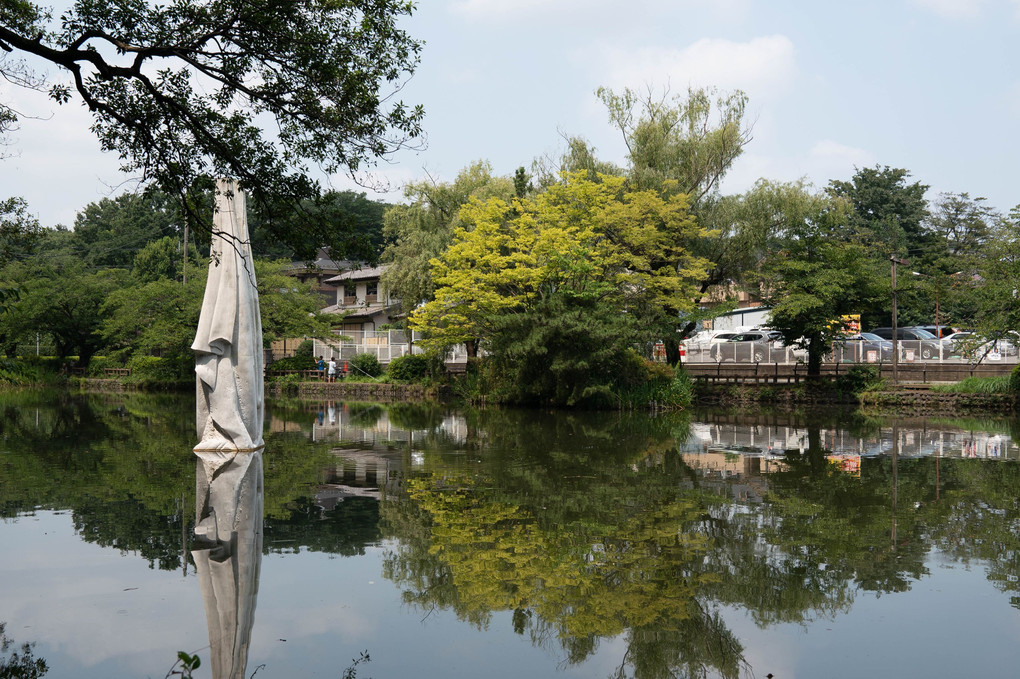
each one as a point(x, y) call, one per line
point(409, 368)
point(650, 383)
point(20, 373)
point(859, 378)
point(365, 365)
point(1014, 380)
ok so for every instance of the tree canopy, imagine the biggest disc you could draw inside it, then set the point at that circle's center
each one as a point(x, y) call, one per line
point(181, 90)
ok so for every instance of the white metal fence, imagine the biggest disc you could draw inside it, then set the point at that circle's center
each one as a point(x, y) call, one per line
point(385, 345)
point(910, 351)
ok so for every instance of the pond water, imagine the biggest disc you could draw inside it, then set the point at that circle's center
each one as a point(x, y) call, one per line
point(504, 544)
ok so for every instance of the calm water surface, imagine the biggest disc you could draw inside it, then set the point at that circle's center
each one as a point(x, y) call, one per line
point(507, 544)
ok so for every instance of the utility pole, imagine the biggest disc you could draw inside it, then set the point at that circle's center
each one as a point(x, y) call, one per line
point(895, 330)
point(184, 263)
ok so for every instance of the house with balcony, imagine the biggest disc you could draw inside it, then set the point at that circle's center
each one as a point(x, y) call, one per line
point(364, 311)
point(361, 301)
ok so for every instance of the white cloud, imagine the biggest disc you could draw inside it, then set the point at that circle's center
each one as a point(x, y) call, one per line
point(762, 67)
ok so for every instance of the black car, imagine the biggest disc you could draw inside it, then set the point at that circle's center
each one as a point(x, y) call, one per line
point(863, 347)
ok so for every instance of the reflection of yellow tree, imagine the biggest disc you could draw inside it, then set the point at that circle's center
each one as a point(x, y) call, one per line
point(578, 581)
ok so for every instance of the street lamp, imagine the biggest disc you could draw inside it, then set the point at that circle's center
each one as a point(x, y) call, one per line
point(895, 332)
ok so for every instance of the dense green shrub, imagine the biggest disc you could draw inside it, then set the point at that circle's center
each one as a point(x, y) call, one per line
point(305, 348)
point(152, 369)
point(365, 365)
point(1014, 380)
point(20, 373)
point(295, 362)
point(859, 378)
point(99, 364)
point(662, 387)
point(409, 368)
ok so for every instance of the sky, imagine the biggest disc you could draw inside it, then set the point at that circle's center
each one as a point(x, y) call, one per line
point(931, 86)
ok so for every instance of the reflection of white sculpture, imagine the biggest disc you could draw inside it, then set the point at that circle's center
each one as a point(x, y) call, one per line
point(228, 345)
point(228, 553)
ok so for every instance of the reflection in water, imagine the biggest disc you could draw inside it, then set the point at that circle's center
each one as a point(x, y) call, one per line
point(228, 552)
point(620, 541)
point(768, 439)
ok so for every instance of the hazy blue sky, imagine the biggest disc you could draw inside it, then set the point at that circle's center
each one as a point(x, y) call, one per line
point(932, 86)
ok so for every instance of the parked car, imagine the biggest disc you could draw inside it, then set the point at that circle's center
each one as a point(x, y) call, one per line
point(700, 343)
point(913, 338)
point(940, 331)
point(974, 347)
point(864, 347)
point(755, 346)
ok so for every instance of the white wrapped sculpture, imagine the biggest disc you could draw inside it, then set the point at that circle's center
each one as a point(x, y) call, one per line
point(228, 345)
point(230, 410)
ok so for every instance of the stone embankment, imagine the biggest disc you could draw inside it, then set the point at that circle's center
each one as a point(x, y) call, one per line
point(923, 402)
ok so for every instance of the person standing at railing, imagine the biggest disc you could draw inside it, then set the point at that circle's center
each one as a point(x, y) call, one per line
point(331, 370)
point(321, 367)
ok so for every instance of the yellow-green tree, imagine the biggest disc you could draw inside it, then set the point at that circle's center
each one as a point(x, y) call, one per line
point(584, 249)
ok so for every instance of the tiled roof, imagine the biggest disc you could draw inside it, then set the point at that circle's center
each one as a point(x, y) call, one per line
point(356, 311)
point(364, 273)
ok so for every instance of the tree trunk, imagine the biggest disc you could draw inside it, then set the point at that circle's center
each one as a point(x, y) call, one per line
point(672, 350)
point(815, 353)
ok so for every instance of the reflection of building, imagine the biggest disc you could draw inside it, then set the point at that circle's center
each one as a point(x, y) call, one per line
point(772, 440)
point(371, 450)
point(734, 475)
point(361, 472)
point(344, 422)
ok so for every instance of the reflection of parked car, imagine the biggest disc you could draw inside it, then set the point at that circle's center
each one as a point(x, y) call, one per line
point(917, 339)
point(864, 347)
point(753, 346)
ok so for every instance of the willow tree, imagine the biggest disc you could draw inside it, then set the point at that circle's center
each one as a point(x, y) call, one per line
point(185, 89)
point(688, 141)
